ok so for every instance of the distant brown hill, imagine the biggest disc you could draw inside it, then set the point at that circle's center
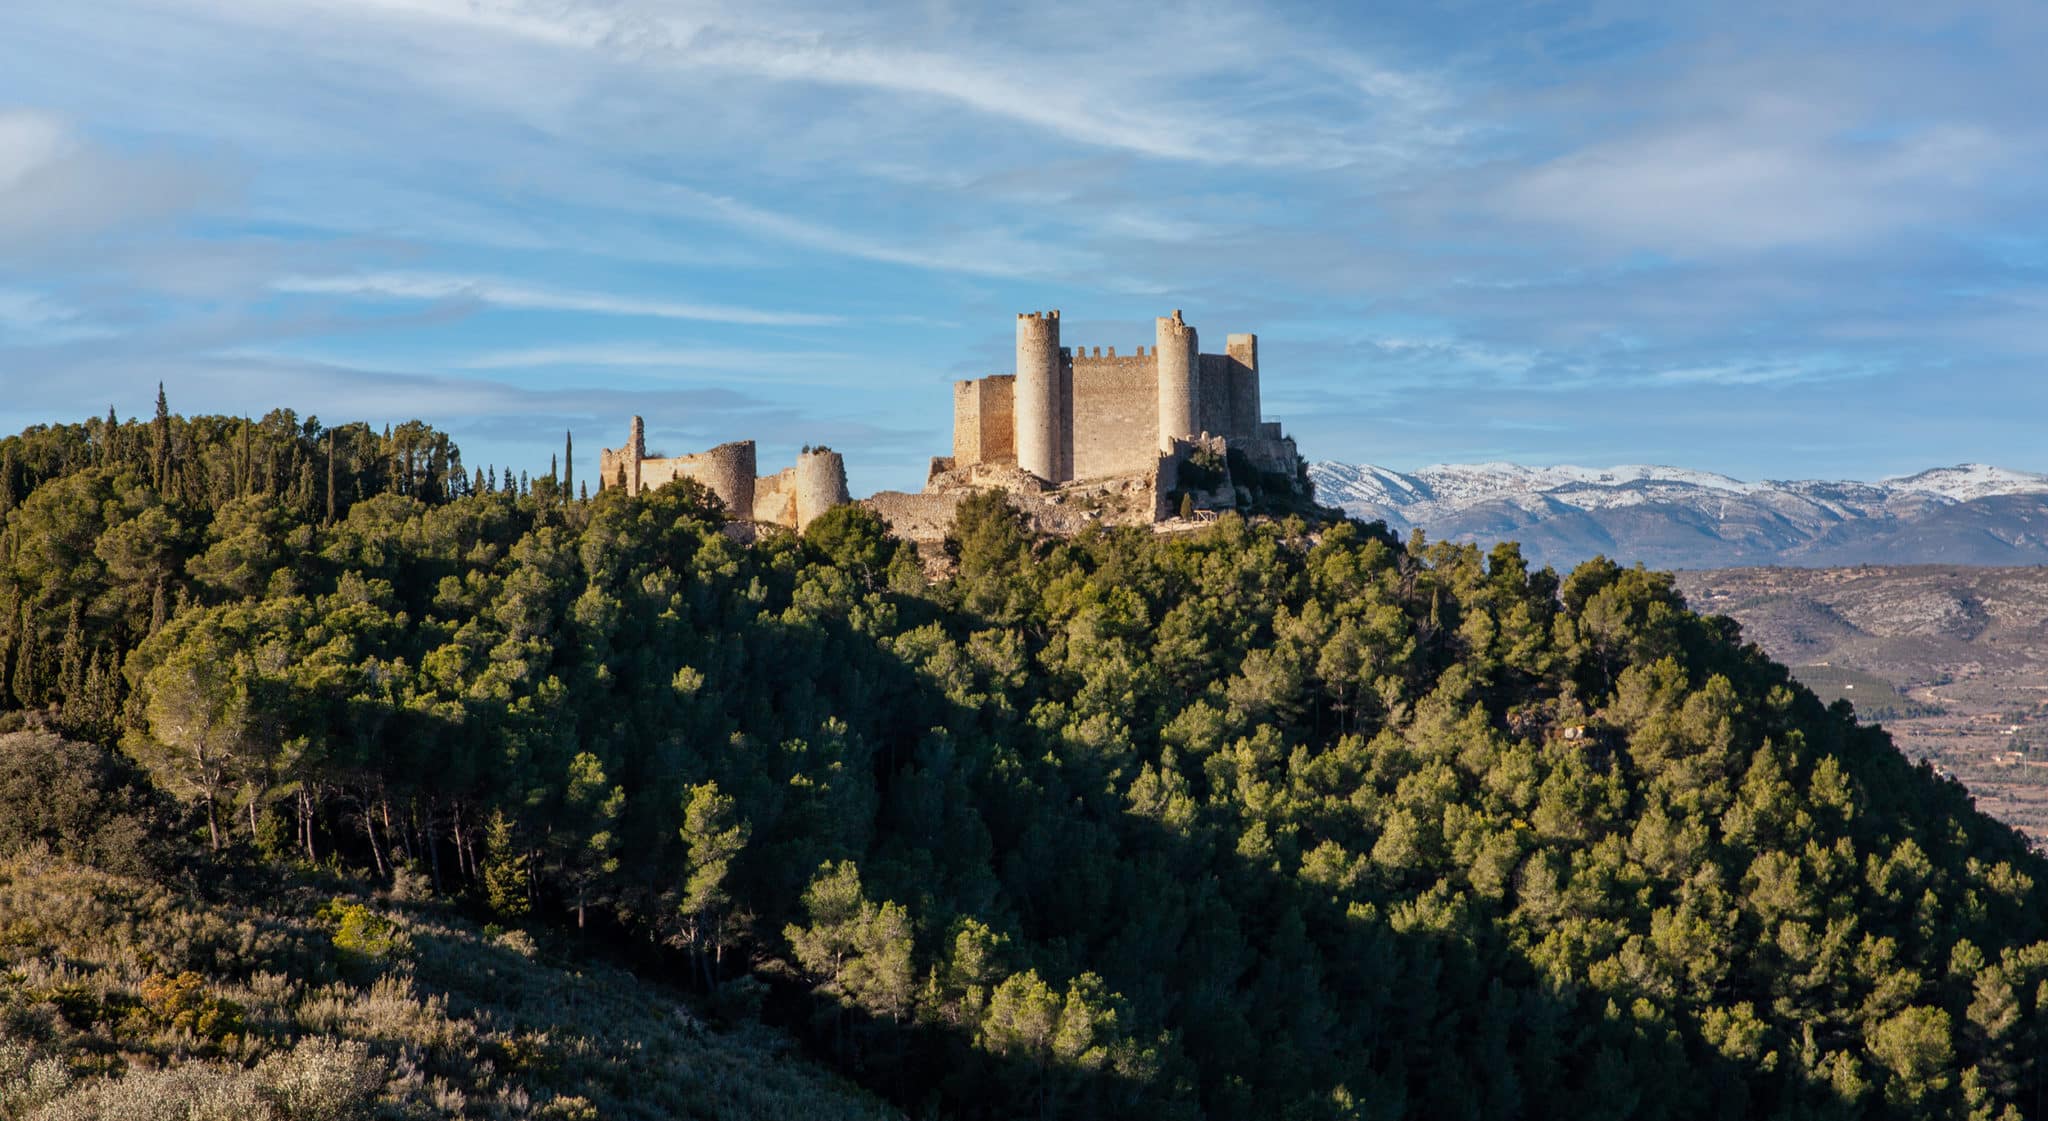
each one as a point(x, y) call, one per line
point(1953, 660)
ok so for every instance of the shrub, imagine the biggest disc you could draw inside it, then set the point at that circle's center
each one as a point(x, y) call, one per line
point(322, 1079)
point(362, 935)
point(182, 1003)
point(191, 1092)
point(26, 1081)
point(79, 799)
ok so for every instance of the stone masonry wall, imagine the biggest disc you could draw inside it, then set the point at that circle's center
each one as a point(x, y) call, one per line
point(984, 422)
point(1213, 413)
point(775, 498)
point(1115, 414)
point(728, 470)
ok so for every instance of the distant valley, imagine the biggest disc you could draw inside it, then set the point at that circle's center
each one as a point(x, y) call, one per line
point(1669, 517)
point(1952, 661)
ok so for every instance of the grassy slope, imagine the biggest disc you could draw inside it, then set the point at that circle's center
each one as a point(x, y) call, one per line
point(447, 1021)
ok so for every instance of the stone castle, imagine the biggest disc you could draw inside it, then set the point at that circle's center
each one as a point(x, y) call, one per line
point(1076, 437)
point(1067, 415)
point(790, 498)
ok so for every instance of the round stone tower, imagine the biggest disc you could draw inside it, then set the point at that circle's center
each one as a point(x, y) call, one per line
point(820, 485)
point(728, 470)
point(1180, 356)
point(1037, 400)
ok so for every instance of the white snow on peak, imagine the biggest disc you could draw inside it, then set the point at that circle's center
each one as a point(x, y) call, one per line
point(1967, 481)
point(1445, 487)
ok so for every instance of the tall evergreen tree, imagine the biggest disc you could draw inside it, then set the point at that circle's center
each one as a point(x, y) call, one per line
point(160, 441)
point(330, 478)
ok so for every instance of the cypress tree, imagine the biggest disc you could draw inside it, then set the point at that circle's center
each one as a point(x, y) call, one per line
point(8, 634)
point(568, 463)
point(160, 441)
point(8, 470)
point(28, 658)
point(330, 477)
point(476, 485)
point(71, 655)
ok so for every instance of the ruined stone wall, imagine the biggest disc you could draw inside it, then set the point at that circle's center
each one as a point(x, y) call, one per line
point(923, 518)
point(819, 482)
point(620, 467)
point(1114, 417)
point(775, 498)
point(728, 470)
point(984, 422)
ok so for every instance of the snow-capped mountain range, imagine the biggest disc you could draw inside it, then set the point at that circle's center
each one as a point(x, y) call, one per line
point(1673, 517)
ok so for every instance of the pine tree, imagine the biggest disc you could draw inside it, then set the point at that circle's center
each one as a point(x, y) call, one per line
point(508, 869)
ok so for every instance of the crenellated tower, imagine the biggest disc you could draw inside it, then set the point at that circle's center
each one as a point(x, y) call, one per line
point(1037, 400)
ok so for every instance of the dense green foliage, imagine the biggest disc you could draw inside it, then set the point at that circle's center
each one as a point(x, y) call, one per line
point(1266, 821)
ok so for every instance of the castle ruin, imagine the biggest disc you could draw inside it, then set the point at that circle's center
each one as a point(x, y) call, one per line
point(791, 498)
point(1075, 435)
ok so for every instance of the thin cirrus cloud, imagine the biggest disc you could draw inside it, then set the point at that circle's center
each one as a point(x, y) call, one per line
point(646, 356)
point(509, 294)
point(1136, 85)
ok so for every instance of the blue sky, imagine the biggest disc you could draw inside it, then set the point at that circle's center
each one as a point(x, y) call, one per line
point(1771, 239)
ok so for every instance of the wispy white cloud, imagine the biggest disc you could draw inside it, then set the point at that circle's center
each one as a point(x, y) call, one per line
point(31, 318)
point(652, 356)
point(510, 294)
point(1750, 183)
point(1143, 82)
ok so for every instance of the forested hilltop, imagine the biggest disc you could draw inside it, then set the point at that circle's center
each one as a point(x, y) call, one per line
point(1277, 820)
